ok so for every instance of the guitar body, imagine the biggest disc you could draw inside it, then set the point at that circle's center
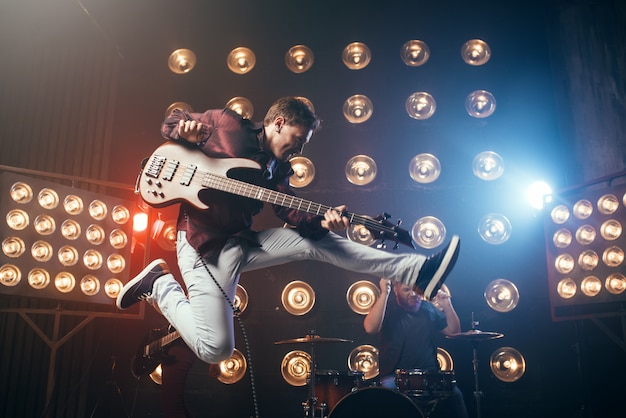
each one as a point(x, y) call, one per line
point(153, 351)
point(177, 172)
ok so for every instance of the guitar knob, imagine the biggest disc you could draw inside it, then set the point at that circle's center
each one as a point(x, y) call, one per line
point(158, 183)
point(149, 181)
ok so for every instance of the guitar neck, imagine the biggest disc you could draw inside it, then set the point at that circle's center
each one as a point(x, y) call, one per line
point(155, 346)
point(262, 194)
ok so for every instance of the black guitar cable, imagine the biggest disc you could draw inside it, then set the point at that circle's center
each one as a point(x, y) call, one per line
point(237, 312)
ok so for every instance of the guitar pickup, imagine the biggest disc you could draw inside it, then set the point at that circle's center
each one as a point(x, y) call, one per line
point(170, 170)
point(190, 170)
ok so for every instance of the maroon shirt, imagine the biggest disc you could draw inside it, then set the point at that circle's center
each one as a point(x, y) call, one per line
point(226, 134)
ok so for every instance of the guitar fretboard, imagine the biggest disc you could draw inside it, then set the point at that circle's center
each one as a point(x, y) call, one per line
point(252, 191)
point(154, 346)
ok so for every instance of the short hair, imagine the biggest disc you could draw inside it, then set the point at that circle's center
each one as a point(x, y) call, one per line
point(295, 112)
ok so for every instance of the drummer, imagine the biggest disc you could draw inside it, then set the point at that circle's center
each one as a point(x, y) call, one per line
point(407, 325)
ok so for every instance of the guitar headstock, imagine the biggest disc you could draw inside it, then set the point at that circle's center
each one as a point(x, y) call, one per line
point(391, 232)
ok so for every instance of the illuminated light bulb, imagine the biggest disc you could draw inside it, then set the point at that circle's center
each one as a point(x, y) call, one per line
point(140, 222)
point(480, 104)
point(120, 214)
point(588, 260)
point(116, 263)
point(585, 234)
point(64, 282)
point(44, 224)
point(21, 192)
point(611, 230)
point(38, 278)
point(361, 170)
point(564, 263)
point(17, 219)
point(420, 105)
point(112, 288)
point(583, 209)
point(179, 106)
point(299, 59)
point(360, 234)
point(560, 214)
point(356, 56)
point(424, 168)
point(475, 52)
point(70, 229)
point(538, 193)
point(89, 285)
point(241, 60)
point(48, 198)
point(615, 283)
point(613, 256)
point(13, 247)
point(591, 286)
point(73, 205)
point(488, 166)
point(41, 251)
point(92, 259)
point(495, 228)
point(415, 53)
point(118, 238)
point(428, 232)
point(95, 234)
point(10, 275)
point(98, 210)
point(562, 238)
point(566, 288)
point(358, 108)
point(242, 106)
point(181, 61)
point(608, 204)
point(67, 255)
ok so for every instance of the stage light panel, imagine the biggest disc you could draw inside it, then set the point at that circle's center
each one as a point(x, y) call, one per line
point(61, 242)
point(585, 252)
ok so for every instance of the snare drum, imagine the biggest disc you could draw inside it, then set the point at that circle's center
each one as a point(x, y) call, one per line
point(332, 385)
point(426, 384)
point(376, 402)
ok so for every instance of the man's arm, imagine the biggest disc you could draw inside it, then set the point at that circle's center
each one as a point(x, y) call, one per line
point(454, 324)
point(373, 321)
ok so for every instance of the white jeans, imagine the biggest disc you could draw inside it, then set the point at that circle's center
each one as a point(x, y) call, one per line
point(204, 318)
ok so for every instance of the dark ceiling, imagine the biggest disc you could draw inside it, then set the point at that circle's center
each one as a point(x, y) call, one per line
point(531, 129)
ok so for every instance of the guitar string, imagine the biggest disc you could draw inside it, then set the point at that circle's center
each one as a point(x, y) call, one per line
point(237, 312)
point(242, 188)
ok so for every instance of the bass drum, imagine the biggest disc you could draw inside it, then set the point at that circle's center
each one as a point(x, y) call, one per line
point(375, 402)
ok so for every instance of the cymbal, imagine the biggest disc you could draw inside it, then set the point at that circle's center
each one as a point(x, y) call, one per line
point(475, 335)
point(313, 339)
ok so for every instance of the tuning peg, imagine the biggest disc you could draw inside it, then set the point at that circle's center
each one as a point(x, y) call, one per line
point(386, 215)
point(381, 245)
point(399, 222)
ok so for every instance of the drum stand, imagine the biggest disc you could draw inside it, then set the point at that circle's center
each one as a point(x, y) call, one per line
point(426, 407)
point(477, 392)
point(475, 336)
point(310, 406)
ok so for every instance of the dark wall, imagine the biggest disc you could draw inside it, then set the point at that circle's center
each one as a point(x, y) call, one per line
point(85, 86)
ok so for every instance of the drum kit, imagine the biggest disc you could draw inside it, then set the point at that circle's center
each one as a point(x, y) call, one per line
point(334, 394)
